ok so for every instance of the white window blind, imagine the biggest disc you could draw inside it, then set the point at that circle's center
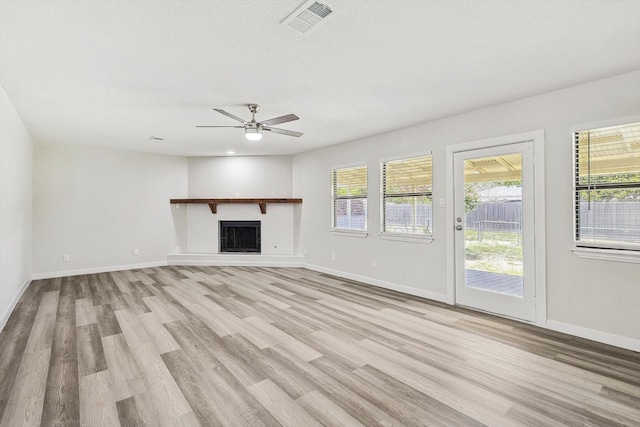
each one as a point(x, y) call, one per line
point(406, 188)
point(607, 187)
point(349, 198)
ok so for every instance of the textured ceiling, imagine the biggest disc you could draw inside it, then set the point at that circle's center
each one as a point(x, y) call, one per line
point(114, 73)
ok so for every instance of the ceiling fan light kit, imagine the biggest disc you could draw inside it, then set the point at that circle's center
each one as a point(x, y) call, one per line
point(253, 130)
point(251, 134)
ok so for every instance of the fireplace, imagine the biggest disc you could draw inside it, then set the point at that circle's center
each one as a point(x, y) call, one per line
point(240, 236)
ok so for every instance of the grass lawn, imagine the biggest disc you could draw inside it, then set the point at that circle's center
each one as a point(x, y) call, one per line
point(498, 252)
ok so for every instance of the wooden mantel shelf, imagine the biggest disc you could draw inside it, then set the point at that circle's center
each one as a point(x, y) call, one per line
point(213, 203)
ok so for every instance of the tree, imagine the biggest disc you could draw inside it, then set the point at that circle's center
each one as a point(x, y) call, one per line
point(471, 197)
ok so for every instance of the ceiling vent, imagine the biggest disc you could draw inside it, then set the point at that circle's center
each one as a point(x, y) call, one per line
point(308, 17)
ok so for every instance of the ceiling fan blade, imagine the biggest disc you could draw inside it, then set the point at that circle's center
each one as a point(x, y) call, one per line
point(282, 131)
point(230, 115)
point(240, 127)
point(281, 119)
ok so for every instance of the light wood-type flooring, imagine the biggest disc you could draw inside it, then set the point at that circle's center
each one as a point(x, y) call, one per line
point(240, 346)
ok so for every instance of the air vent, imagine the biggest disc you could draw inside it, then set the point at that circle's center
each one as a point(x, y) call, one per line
point(308, 17)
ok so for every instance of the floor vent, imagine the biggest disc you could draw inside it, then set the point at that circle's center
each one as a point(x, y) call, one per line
point(308, 17)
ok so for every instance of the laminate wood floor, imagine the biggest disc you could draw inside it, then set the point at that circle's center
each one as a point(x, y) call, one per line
point(189, 346)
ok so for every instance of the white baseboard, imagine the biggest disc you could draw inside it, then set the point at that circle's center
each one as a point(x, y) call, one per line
point(53, 274)
point(12, 305)
point(380, 283)
point(594, 335)
point(237, 260)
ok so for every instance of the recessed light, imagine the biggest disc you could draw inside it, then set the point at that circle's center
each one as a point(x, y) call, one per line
point(157, 138)
point(231, 153)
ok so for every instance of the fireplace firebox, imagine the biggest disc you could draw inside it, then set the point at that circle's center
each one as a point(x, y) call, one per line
point(240, 236)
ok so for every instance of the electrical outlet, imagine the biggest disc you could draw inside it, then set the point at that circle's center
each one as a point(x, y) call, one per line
point(136, 252)
point(333, 256)
point(177, 249)
point(65, 258)
point(374, 264)
point(305, 251)
point(442, 203)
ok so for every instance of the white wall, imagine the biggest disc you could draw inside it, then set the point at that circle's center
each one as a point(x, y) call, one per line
point(598, 296)
point(245, 177)
point(97, 205)
point(15, 207)
point(240, 177)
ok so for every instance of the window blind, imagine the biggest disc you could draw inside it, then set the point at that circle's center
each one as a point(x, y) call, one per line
point(406, 187)
point(349, 198)
point(607, 187)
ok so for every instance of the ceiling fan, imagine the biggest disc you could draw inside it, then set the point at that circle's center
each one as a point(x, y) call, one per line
point(253, 129)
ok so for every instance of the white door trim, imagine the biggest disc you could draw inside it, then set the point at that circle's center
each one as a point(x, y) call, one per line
point(539, 215)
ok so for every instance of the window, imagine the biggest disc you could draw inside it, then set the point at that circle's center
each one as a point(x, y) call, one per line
point(349, 198)
point(607, 187)
point(406, 196)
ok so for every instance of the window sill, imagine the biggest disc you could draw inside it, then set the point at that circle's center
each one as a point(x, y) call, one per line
point(413, 238)
point(608, 254)
point(349, 233)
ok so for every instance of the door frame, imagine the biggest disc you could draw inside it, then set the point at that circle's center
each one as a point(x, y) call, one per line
point(539, 270)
